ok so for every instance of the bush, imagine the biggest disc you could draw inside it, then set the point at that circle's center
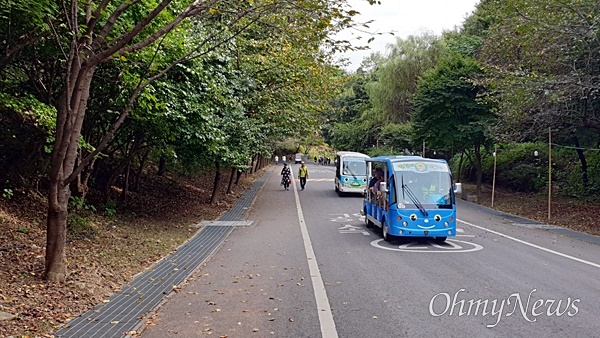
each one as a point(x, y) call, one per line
point(521, 178)
point(79, 227)
point(517, 168)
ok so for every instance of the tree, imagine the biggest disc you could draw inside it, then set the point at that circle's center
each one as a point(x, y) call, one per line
point(541, 62)
point(448, 114)
point(98, 33)
point(397, 75)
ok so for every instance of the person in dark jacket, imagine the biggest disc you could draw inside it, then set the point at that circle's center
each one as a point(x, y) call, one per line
point(286, 173)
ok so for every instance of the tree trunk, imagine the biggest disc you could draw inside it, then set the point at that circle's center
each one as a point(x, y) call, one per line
point(581, 156)
point(215, 193)
point(56, 233)
point(237, 179)
point(140, 170)
point(231, 179)
point(479, 167)
point(114, 177)
point(125, 188)
point(460, 164)
point(258, 160)
point(70, 114)
point(162, 166)
point(252, 164)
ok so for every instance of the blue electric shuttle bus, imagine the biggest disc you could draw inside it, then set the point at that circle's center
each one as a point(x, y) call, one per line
point(350, 172)
point(415, 197)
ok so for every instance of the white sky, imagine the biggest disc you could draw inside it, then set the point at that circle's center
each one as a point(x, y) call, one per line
point(404, 18)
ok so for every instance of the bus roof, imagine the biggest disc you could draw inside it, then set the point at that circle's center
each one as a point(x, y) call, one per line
point(351, 153)
point(403, 158)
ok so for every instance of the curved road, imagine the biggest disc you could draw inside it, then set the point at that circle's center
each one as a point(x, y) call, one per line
point(308, 267)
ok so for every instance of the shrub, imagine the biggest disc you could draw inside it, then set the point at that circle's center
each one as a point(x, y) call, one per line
point(521, 178)
point(78, 226)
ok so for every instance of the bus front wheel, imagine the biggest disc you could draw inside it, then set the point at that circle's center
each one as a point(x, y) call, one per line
point(440, 240)
point(368, 223)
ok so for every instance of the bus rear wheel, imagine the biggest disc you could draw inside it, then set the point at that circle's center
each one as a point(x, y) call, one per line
point(385, 231)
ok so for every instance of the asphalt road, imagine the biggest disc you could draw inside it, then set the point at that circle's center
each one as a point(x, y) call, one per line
point(308, 267)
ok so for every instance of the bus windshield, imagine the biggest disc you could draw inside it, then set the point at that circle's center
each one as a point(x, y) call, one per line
point(428, 183)
point(354, 166)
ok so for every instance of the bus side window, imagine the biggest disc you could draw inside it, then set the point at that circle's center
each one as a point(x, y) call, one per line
point(392, 189)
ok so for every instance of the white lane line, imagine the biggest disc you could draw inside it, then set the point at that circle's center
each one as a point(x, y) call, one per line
point(533, 245)
point(324, 309)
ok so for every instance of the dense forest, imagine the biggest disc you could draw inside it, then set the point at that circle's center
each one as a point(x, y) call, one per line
point(94, 95)
point(518, 79)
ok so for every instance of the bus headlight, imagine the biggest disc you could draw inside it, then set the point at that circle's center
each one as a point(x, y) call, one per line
point(449, 232)
point(405, 223)
point(437, 218)
point(413, 217)
point(346, 179)
point(446, 224)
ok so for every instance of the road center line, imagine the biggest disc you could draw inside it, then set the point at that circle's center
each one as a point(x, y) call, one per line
point(532, 245)
point(324, 309)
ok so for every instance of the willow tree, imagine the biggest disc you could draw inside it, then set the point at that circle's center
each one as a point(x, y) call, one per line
point(398, 73)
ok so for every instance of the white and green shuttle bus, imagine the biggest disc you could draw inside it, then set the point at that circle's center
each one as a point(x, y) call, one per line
point(350, 172)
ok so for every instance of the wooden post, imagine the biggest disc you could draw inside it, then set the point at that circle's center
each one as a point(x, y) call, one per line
point(423, 148)
point(549, 173)
point(494, 175)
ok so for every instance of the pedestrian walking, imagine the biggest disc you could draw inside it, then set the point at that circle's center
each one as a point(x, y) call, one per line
point(302, 174)
point(276, 160)
point(286, 174)
point(283, 159)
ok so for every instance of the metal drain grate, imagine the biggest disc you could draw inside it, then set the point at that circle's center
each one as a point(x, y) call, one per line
point(125, 311)
point(225, 223)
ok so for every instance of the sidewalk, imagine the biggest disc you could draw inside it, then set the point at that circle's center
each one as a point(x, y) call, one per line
point(258, 285)
point(126, 311)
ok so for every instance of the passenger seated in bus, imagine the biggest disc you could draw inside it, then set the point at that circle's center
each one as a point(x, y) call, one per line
point(374, 183)
point(378, 175)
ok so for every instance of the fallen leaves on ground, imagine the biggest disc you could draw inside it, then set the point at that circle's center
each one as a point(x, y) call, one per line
point(154, 223)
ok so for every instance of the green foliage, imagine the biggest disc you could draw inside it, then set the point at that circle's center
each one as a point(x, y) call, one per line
point(568, 174)
point(79, 203)
point(7, 193)
point(517, 168)
point(521, 177)
point(397, 76)
point(541, 65)
point(110, 208)
point(42, 114)
point(352, 136)
point(79, 226)
point(448, 113)
point(397, 137)
point(382, 151)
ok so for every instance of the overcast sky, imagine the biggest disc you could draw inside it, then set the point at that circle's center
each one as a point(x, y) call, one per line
point(404, 18)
